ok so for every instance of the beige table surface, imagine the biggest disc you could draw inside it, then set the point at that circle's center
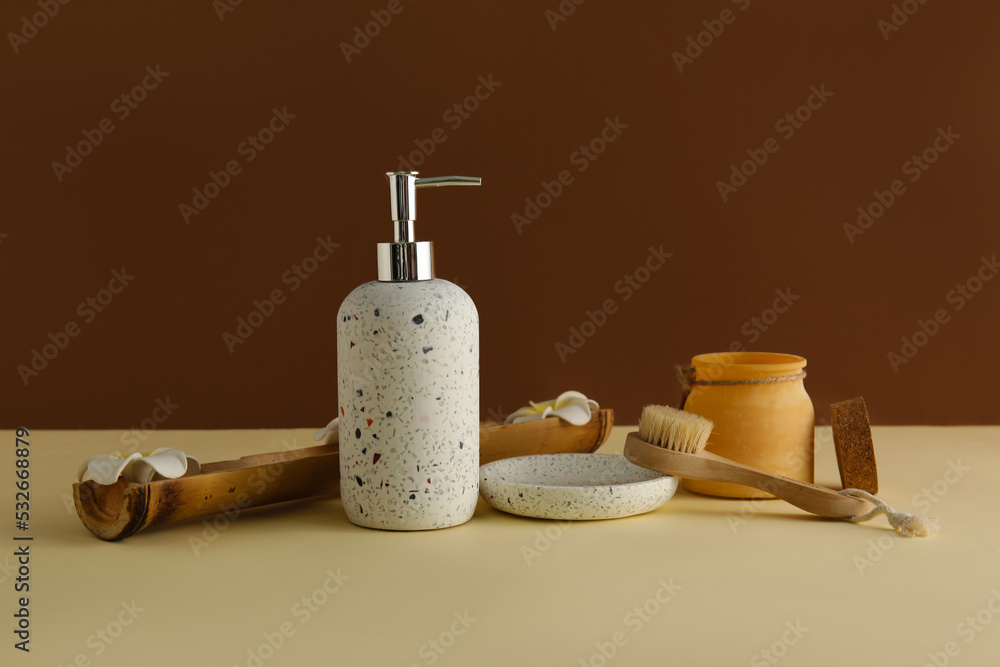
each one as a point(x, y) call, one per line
point(698, 582)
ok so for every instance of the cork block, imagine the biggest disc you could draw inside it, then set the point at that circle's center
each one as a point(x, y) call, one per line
point(852, 438)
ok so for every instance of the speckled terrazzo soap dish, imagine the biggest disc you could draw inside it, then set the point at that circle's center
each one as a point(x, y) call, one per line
point(573, 486)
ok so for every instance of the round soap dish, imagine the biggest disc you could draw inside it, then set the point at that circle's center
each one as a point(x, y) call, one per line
point(573, 486)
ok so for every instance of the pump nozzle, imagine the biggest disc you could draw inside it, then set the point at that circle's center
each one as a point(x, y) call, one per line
point(406, 258)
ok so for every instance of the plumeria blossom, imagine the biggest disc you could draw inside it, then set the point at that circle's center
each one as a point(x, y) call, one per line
point(136, 467)
point(330, 434)
point(571, 406)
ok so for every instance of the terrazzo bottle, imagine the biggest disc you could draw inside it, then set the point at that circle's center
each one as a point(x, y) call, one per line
point(408, 384)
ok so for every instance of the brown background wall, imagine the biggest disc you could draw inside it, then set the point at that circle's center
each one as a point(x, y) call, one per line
point(655, 185)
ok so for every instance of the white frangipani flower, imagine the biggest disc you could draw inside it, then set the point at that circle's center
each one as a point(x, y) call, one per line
point(571, 406)
point(329, 434)
point(165, 461)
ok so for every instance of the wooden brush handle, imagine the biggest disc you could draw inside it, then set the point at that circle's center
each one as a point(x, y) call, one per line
point(710, 467)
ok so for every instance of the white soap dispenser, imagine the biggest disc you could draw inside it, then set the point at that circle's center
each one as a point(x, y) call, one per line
point(408, 384)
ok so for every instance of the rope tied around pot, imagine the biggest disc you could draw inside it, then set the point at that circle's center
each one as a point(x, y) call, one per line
point(686, 378)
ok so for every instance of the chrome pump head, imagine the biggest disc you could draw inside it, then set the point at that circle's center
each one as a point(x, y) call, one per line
point(406, 259)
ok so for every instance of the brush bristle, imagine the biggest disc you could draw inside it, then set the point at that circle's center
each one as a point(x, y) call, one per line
point(674, 429)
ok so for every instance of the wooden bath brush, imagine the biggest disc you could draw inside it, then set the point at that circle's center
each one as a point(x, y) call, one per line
point(673, 442)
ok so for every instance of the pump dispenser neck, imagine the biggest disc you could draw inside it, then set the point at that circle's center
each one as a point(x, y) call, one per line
point(406, 259)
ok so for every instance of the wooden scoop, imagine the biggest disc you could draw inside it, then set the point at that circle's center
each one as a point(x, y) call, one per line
point(711, 467)
point(122, 509)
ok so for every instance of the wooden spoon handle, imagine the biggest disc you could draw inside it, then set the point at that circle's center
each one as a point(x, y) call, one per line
point(710, 467)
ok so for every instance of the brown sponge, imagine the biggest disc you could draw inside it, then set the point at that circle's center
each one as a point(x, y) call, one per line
point(852, 438)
